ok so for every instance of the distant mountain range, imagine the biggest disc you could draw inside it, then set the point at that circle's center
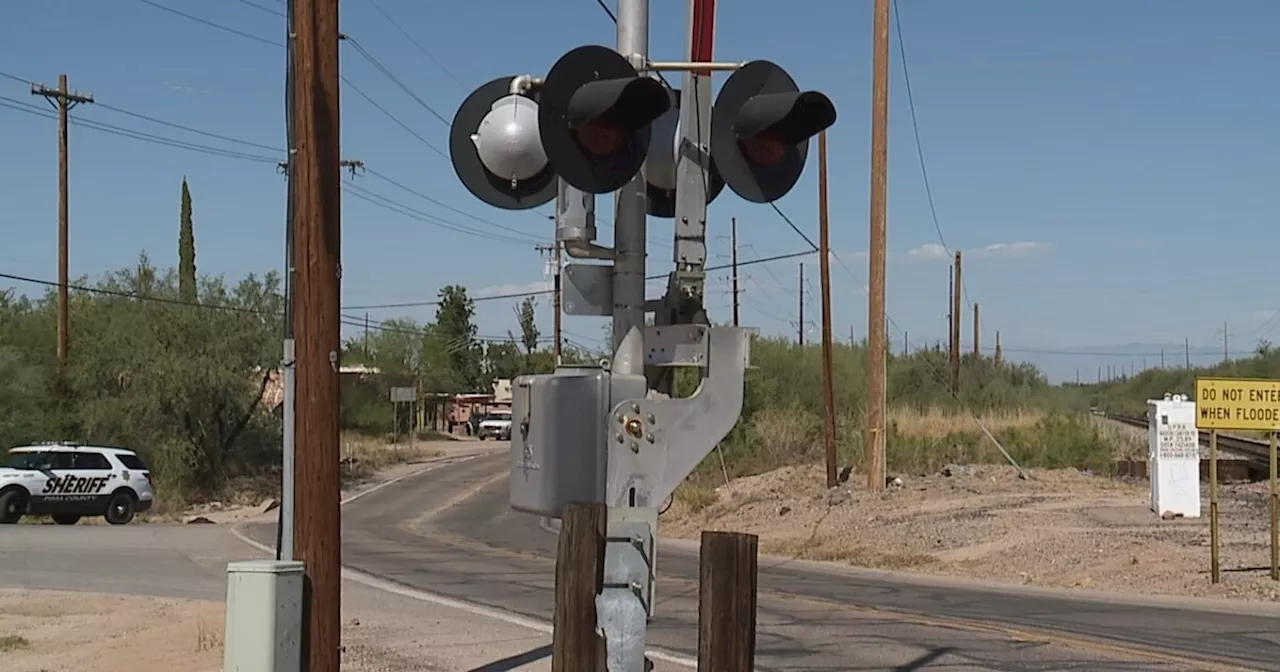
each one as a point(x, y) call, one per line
point(1088, 363)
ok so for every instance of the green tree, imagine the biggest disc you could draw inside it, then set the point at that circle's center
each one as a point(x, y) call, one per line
point(455, 327)
point(186, 249)
point(504, 360)
point(528, 325)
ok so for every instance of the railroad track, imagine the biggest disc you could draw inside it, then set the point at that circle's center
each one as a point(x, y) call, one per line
point(1257, 451)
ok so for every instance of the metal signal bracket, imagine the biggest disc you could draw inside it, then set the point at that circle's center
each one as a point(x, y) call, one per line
point(655, 443)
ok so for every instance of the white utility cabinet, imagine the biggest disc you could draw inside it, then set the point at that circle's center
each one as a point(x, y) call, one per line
point(1173, 459)
point(264, 617)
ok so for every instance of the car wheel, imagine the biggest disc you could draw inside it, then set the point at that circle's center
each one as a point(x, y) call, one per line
point(65, 519)
point(13, 505)
point(121, 508)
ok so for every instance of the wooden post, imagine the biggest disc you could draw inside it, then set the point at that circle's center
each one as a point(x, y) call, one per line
point(316, 167)
point(727, 602)
point(575, 647)
point(733, 227)
point(824, 270)
point(877, 359)
point(957, 292)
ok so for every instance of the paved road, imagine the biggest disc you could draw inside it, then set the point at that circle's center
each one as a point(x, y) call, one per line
point(450, 532)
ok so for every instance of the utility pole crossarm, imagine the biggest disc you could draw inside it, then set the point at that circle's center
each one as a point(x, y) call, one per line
point(61, 94)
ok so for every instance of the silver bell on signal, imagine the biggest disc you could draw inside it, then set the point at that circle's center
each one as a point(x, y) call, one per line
point(508, 142)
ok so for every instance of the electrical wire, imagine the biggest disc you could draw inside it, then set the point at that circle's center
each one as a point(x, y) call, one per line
point(22, 106)
point(261, 8)
point(396, 120)
point(400, 208)
point(395, 80)
point(415, 43)
point(211, 24)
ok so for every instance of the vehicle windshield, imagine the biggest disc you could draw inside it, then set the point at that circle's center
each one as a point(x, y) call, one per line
point(23, 460)
point(500, 415)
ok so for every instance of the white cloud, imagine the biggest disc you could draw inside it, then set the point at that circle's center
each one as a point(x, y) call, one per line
point(1009, 250)
point(930, 251)
point(515, 288)
point(1014, 250)
point(849, 255)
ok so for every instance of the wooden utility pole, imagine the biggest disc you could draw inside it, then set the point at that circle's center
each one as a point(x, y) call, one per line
point(999, 351)
point(733, 227)
point(63, 99)
point(977, 352)
point(876, 357)
point(727, 576)
point(554, 249)
point(906, 344)
point(800, 298)
point(951, 316)
point(1225, 355)
point(958, 289)
point(318, 233)
point(579, 577)
point(1186, 350)
point(824, 271)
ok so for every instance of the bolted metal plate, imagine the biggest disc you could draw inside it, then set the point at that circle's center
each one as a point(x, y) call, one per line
point(676, 345)
point(484, 185)
point(587, 289)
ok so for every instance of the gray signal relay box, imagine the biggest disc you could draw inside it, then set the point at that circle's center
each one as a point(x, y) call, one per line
point(558, 437)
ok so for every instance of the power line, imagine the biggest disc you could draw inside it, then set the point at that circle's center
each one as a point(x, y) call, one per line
point(394, 118)
point(212, 24)
point(21, 106)
point(541, 292)
point(414, 42)
point(261, 8)
point(215, 151)
point(445, 205)
point(358, 321)
point(384, 202)
point(189, 129)
point(395, 80)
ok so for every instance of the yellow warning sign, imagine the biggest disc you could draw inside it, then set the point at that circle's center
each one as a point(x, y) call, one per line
point(1238, 403)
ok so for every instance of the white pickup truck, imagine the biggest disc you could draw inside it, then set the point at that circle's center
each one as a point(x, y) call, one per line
point(496, 425)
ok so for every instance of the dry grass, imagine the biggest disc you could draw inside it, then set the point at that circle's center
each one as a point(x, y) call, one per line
point(838, 549)
point(207, 638)
point(936, 423)
point(13, 642)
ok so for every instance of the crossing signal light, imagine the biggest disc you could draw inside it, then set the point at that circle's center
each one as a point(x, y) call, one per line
point(664, 155)
point(594, 116)
point(760, 129)
point(497, 151)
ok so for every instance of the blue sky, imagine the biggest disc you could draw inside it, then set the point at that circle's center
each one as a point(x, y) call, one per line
point(1108, 167)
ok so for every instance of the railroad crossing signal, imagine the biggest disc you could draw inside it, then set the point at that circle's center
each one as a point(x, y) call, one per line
point(496, 151)
point(594, 119)
point(760, 130)
point(609, 432)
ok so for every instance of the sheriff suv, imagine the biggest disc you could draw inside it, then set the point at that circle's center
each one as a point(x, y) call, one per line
point(70, 481)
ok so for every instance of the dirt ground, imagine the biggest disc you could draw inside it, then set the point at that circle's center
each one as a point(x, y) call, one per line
point(1064, 528)
point(55, 631)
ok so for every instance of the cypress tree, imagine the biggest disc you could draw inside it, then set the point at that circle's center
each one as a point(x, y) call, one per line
point(186, 249)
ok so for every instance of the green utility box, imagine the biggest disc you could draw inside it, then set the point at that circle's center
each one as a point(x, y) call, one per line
point(264, 617)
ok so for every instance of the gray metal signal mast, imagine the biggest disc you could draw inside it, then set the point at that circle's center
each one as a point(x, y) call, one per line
point(601, 121)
